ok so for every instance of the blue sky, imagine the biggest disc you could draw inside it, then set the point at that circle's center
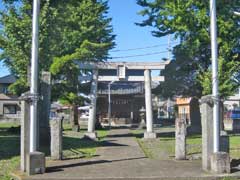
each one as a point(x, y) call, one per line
point(129, 36)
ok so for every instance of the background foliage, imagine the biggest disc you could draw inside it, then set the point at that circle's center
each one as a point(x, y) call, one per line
point(188, 20)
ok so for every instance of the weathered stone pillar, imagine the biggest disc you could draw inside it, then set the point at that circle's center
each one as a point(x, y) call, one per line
point(92, 111)
point(44, 105)
point(217, 162)
point(148, 103)
point(25, 146)
point(180, 139)
point(206, 109)
point(56, 139)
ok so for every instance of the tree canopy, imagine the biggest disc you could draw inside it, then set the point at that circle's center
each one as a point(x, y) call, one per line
point(189, 73)
point(69, 31)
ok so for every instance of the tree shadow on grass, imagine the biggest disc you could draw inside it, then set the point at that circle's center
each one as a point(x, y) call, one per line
point(75, 147)
point(235, 165)
point(10, 131)
point(166, 134)
point(126, 135)
point(9, 147)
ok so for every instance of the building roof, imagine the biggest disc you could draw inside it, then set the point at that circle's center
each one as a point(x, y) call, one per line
point(9, 79)
point(7, 97)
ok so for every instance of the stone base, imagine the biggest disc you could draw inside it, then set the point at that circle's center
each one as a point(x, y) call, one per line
point(91, 135)
point(142, 125)
point(36, 163)
point(150, 135)
point(220, 163)
point(75, 128)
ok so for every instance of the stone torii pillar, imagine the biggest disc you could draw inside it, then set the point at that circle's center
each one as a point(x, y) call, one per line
point(148, 103)
point(92, 111)
point(123, 70)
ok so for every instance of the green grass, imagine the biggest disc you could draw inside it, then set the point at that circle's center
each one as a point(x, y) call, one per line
point(76, 147)
point(164, 147)
point(9, 149)
point(73, 146)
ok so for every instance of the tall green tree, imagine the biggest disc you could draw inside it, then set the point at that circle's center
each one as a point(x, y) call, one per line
point(88, 35)
point(188, 20)
point(70, 31)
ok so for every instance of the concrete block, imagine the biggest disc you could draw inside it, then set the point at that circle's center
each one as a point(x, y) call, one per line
point(220, 163)
point(56, 139)
point(25, 144)
point(91, 135)
point(142, 124)
point(206, 109)
point(180, 136)
point(36, 163)
point(150, 135)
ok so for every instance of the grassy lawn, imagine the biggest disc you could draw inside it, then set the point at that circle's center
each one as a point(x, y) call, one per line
point(9, 149)
point(164, 147)
point(76, 147)
point(73, 146)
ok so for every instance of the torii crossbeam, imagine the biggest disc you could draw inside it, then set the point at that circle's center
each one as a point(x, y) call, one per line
point(122, 71)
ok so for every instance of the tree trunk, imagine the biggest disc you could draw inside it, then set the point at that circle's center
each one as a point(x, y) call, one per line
point(74, 118)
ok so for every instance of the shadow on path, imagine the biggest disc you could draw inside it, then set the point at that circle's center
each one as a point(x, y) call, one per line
point(125, 135)
point(62, 167)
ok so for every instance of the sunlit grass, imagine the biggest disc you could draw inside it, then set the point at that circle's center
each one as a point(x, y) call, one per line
point(164, 147)
point(73, 146)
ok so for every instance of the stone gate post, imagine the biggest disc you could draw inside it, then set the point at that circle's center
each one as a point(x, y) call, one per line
point(148, 103)
point(25, 146)
point(92, 111)
point(180, 139)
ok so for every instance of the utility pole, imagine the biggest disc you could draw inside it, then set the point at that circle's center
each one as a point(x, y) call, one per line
point(34, 76)
point(109, 103)
point(215, 94)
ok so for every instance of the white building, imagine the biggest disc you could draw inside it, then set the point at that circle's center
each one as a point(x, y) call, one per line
point(233, 102)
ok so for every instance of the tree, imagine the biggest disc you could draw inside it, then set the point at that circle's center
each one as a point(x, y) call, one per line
point(189, 21)
point(15, 38)
point(91, 30)
point(69, 31)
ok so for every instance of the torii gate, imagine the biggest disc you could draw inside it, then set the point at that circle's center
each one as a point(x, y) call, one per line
point(122, 69)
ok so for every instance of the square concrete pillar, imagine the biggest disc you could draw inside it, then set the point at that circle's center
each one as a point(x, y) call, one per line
point(180, 139)
point(25, 144)
point(206, 109)
point(56, 139)
point(220, 163)
point(35, 163)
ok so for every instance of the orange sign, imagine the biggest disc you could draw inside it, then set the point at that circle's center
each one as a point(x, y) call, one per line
point(182, 101)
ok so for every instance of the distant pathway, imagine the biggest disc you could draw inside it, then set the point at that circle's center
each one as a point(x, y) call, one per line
point(121, 145)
